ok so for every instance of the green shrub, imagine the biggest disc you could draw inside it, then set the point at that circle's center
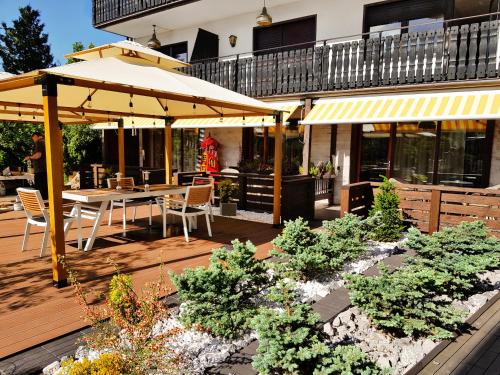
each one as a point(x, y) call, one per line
point(385, 220)
point(290, 341)
point(106, 364)
point(220, 298)
point(310, 254)
point(406, 302)
point(465, 238)
point(226, 190)
point(349, 227)
point(458, 273)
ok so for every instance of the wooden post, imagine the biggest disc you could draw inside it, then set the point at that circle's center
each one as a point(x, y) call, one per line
point(121, 148)
point(278, 155)
point(168, 150)
point(435, 211)
point(54, 152)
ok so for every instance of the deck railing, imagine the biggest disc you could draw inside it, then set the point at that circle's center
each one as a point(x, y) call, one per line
point(430, 208)
point(105, 11)
point(444, 54)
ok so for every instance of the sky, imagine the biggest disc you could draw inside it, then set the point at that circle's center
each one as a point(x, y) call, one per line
point(66, 22)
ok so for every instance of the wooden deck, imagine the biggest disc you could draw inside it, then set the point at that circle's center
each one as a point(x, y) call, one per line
point(33, 312)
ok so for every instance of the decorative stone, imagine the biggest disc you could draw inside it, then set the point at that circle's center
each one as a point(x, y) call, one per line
point(52, 368)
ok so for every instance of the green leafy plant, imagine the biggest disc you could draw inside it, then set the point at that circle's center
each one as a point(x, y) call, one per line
point(385, 221)
point(226, 190)
point(125, 326)
point(221, 298)
point(406, 302)
point(348, 227)
point(290, 341)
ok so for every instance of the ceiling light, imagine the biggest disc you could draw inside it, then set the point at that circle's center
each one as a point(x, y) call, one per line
point(264, 19)
point(154, 43)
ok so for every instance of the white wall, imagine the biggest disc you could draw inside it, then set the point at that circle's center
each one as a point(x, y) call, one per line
point(230, 145)
point(320, 143)
point(495, 157)
point(335, 18)
point(344, 159)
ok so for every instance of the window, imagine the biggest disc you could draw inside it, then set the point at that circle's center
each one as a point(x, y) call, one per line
point(299, 32)
point(415, 15)
point(185, 145)
point(178, 51)
point(454, 153)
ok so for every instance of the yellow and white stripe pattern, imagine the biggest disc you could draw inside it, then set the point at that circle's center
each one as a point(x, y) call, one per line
point(475, 126)
point(462, 105)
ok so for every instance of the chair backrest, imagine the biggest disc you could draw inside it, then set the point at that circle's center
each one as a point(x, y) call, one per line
point(198, 195)
point(32, 202)
point(125, 182)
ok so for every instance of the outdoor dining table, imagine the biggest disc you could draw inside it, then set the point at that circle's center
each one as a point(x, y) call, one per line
point(94, 202)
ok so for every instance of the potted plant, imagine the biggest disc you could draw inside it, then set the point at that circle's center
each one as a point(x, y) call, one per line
point(226, 190)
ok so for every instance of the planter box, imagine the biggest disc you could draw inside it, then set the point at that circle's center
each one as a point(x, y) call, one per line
point(228, 209)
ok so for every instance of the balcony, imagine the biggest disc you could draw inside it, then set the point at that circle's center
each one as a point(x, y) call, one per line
point(446, 54)
point(109, 11)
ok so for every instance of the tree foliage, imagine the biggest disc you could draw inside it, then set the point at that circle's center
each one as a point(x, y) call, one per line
point(82, 146)
point(16, 143)
point(24, 46)
point(221, 298)
point(385, 218)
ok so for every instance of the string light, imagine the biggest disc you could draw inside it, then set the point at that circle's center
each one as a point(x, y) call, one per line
point(19, 110)
point(221, 117)
point(194, 106)
point(130, 104)
point(89, 100)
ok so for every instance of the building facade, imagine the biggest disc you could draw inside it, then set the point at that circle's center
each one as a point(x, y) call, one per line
point(403, 88)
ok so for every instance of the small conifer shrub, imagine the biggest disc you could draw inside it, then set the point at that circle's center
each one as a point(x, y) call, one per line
point(385, 221)
point(221, 298)
point(290, 341)
point(406, 302)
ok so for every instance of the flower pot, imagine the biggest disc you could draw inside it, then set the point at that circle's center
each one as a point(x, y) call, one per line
point(228, 209)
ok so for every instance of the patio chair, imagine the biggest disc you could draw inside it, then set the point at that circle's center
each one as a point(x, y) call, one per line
point(196, 203)
point(197, 181)
point(38, 215)
point(127, 183)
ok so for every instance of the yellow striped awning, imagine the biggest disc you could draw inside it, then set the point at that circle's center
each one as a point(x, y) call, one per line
point(462, 105)
point(476, 126)
point(212, 122)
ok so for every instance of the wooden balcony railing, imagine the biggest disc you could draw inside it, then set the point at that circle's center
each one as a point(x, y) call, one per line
point(446, 54)
point(107, 11)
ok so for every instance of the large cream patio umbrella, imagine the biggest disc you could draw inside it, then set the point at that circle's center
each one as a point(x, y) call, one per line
point(113, 81)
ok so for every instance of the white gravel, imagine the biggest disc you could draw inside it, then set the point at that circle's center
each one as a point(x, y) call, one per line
point(259, 217)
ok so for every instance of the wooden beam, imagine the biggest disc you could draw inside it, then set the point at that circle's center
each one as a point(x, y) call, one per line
point(168, 150)
point(54, 152)
point(15, 83)
point(278, 155)
point(121, 148)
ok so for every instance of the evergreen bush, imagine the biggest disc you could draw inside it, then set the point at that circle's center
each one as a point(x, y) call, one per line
point(406, 302)
point(310, 254)
point(221, 298)
point(348, 227)
point(106, 364)
point(385, 221)
point(290, 341)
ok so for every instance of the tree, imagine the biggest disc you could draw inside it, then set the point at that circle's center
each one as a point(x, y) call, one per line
point(24, 46)
point(16, 143)
point(77, 47)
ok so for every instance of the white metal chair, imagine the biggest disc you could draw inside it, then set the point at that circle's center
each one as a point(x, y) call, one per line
point(38, 215)
point(197, 181)
point(127, 183)
point(196, 203)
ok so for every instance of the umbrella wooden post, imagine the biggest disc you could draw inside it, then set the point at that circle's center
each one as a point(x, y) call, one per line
point(54, 152)
point(168, 150)
point(121, 148)
point(278, 155)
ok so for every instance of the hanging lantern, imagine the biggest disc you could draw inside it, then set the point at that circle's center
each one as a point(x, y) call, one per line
point(264, 19)
point(154, 43)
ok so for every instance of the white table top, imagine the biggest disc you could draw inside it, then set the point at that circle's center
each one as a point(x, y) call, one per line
point(101, 195)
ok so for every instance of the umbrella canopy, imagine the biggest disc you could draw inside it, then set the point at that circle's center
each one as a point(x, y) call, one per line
point(134, 81)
